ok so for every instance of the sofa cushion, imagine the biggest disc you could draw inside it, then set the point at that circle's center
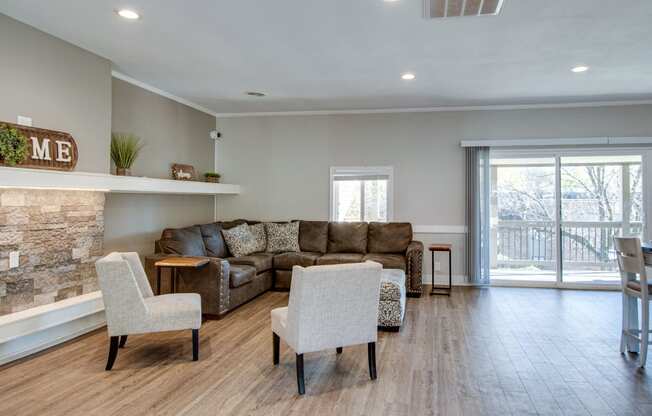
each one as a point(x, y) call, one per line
point(389, 261)
point(339, 258)
point(260, 236)
point(393, 237)
point(231, 224)
point(240, 240)
point(313, 236)
point(285, 261)
point(186, 241)
point(261, 261)
point(282, 237)
point(240, 275)
point(347, 237)
point(213, 241)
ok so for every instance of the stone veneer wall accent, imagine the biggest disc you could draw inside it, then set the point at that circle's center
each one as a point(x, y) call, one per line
point(59, 235)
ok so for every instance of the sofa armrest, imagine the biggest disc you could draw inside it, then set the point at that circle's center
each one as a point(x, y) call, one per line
point(210, 281)
point(413, 277)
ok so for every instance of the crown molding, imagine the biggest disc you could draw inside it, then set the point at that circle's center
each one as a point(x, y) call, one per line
point(133, 81)
point(491, 107)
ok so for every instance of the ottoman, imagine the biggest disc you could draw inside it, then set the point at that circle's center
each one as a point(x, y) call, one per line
point(391, 309)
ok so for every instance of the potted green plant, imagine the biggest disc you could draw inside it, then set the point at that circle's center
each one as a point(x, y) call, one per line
point(13, 145)
point(125, 148)
point(212, 177)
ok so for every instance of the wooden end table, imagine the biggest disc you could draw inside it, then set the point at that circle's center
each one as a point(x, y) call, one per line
point(441, 290)
point(176, 263)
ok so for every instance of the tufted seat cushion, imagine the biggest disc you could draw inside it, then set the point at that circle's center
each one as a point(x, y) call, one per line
point(389, 261)
point(261, 261)
point(285, 261)
point(240, 275)
point(339, 258)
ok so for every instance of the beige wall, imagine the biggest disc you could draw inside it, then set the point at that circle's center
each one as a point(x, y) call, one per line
point(58, 85)
point(171, 132)
point(282, 163)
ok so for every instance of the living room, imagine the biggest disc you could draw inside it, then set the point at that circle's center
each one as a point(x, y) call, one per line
point(215, 158)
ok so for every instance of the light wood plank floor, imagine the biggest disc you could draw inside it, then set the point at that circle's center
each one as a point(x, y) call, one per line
point(495, 351)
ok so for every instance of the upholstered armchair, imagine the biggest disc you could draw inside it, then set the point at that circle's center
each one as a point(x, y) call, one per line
point(132, 308)
point(330, 307)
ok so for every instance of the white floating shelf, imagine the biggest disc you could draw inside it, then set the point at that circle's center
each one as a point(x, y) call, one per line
point(49, 179)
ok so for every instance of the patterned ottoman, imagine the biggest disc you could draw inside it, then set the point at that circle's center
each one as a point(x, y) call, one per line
point(391, 309)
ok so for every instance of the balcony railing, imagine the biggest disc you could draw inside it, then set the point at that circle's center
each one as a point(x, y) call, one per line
point(533, 243)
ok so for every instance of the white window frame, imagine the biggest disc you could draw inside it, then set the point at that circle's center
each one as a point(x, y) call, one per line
point(557, 153)
point(363, 171)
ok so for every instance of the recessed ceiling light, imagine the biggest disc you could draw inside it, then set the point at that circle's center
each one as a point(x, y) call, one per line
point(128, 14)
point(580, 68)
point(255, 93)
point(408, 76)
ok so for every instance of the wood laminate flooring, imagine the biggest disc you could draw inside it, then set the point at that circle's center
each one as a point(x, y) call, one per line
point(497, 351)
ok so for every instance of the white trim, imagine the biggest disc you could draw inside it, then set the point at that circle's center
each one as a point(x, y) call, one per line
point(158, 91)
point(363, 170)
point(26, 332)
point(88, 181)
point(576, 141)
point(490, 107)
point(439, 229)
point(553, 285)
point(442, 279)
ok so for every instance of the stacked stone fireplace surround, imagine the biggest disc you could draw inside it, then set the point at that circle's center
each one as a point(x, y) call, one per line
point(59, 235)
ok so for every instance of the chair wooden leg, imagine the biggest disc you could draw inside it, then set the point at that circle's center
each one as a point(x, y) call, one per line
point(645, 332)
point(113, 352)
point(371, 353)
point(123, 341)
point(300, 380)
point(276, 341)
point(339, 350)
point(195, 344)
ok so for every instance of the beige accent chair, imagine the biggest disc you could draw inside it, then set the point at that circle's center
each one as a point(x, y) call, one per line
point(635, 285)
point(132, 308)
point(331, 306)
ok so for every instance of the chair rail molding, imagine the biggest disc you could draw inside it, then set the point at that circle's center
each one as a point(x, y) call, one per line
point(439, 229)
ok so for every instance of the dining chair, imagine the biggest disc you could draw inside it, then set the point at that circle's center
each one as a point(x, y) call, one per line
point(330, 307)
point(635, 286)
point(132, 308)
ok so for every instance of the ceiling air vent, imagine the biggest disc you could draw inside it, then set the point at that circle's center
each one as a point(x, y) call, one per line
point(435, 9)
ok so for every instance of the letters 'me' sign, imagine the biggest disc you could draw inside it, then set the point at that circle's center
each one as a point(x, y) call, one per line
point(47, 149)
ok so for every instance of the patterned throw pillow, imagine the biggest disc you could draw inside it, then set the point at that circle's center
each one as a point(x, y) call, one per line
point(240, 240)
point(260, 237)
point(282, 237)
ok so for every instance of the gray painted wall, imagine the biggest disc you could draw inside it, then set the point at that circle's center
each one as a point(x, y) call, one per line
point(60, 86)
point(282, 163)
point(63, 87)
point(172, 132)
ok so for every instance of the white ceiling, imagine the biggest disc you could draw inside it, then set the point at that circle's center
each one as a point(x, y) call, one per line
point(349, 54)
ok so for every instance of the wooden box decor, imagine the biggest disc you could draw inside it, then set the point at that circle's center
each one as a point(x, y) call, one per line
point(183, 172)
point(47, 149)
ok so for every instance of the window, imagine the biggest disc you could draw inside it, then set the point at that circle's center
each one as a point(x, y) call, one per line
point(361, 194)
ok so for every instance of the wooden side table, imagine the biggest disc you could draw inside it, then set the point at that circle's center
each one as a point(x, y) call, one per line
point(441, 290)
point(176, 263)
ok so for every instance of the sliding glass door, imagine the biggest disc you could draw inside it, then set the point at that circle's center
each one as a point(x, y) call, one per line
point(554, 215)
point(601, 197)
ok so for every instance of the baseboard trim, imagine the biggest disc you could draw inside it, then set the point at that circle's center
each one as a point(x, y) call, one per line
point(30, 331)
point(440, 279)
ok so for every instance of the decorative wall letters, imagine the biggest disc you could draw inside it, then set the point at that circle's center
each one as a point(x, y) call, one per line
point(48, 149)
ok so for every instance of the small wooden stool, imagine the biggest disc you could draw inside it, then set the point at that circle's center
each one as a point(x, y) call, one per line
point(175, 263)
point(441, 290)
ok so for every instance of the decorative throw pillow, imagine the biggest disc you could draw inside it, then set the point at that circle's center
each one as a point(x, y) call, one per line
point(239, 240)
point(260, 237)
point(282, 237)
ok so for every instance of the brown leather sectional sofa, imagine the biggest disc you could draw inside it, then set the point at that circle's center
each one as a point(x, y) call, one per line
point(226, 282)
